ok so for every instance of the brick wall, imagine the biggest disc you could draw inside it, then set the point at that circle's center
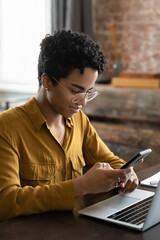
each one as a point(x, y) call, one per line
point(137, 29)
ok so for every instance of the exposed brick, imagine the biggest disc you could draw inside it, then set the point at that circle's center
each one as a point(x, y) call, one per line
point(137, 28)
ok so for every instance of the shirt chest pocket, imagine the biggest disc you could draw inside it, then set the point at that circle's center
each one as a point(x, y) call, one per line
point(77, 164)
point(37, 174)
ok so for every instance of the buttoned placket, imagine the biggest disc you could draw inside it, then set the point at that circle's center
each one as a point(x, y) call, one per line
point(64, 148)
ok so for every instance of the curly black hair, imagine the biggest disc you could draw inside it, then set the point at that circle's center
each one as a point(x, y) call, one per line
point(67, 50)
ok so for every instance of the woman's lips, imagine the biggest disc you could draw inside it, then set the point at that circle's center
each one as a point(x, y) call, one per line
point(75, 109)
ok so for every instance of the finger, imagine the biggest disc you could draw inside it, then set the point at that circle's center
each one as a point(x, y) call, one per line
point(130, 186)
point(126, 187)
point(126, 179)
point(128, 190)
point(133, 186)
point(122, 175)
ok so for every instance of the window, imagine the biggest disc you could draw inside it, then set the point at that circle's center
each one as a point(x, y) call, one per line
point(22, 27)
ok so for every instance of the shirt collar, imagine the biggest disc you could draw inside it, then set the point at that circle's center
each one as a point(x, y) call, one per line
point(37, 117)
point(34, 113)
point(69, 122)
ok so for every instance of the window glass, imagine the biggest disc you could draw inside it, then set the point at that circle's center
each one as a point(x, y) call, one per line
point(22, 26)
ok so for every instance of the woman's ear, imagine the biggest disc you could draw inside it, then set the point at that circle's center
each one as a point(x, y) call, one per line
point(45, 81)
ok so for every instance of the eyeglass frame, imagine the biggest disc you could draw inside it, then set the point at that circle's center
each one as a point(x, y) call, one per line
point(74, 96)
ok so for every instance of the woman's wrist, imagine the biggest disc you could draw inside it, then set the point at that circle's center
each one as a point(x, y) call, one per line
point(79, 186)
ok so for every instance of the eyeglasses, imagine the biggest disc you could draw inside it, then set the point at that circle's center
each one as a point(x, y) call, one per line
point(77, 97)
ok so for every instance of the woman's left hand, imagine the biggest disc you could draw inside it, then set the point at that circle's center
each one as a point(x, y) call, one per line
point(130, 185)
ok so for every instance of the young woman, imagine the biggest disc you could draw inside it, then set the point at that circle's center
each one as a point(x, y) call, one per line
point(46, 143)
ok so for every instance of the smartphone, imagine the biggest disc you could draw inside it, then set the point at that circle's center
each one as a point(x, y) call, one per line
point(134, 160)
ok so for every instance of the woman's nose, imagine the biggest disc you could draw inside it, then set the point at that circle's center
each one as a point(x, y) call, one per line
point(83, 101)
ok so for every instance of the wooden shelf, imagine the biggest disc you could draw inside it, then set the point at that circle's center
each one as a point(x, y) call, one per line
point(136, 82)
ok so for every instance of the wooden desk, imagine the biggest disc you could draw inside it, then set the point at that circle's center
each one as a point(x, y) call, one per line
point(68, 225)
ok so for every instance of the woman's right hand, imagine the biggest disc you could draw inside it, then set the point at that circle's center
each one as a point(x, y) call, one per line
point(101, 178)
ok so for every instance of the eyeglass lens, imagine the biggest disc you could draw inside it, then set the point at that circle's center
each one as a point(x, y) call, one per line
point(79, 96)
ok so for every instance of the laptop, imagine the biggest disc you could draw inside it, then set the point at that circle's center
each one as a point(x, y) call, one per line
point(138, 210)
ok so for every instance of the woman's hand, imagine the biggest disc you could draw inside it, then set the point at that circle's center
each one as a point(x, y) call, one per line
point(130, 185)
point(103, 178)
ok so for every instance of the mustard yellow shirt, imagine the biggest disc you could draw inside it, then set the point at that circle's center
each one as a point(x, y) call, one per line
point(36, 172)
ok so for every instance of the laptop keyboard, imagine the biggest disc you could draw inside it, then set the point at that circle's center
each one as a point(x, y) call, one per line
point(134, 214)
